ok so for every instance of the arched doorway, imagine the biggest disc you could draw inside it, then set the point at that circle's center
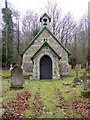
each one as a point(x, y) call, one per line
point(45, 67)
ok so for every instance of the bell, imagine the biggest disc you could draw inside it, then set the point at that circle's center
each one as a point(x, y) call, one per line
point(45, 23)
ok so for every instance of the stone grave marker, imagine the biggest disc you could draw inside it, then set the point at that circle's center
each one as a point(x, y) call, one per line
point(86, 85)
point(76, 79)
point(17, 77)
point(84, 81)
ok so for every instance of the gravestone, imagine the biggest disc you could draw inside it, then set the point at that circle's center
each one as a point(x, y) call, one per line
point(84, 81)
point(76, 79)
point(86, 85)
point(17, 77)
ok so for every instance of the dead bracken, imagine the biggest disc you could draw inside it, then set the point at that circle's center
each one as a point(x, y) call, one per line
point(15, 109)
point(79, 106)
point(38, 107)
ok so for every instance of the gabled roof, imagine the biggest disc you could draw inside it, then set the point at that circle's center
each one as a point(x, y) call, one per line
point(44, 28)
point(45, 14)
point(46, 44)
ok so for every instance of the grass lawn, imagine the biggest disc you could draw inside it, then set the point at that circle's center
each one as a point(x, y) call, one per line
point(49, 98)
point(5, 73)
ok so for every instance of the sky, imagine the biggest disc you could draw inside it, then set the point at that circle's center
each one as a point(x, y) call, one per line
point(76, 7)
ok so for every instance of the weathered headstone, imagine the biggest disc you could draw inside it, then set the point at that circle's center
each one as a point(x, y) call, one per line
point(17, 77)
point(76, 79)
point(86, 85)
point(84, 81)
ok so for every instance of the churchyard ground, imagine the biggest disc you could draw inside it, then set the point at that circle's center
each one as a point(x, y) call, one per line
point(44, 99)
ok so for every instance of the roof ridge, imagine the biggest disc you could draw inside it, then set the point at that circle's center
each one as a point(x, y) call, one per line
point(57, 39)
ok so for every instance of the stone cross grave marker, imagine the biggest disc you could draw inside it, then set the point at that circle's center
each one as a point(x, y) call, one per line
point(84, 81)
point(11, 67)
point(17, 77)
point(76, 79)
point(86, 85)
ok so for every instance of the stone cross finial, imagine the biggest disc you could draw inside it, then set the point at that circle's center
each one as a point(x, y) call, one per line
point(11, 67)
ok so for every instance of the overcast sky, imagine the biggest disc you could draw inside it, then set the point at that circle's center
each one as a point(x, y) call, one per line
point(76, 7)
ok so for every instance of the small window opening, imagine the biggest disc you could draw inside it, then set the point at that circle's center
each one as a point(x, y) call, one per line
point(45, 21)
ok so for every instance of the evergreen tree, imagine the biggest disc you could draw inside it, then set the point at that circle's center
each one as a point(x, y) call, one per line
point(7, 36)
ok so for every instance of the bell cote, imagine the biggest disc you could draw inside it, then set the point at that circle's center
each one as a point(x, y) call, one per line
point(45, 20)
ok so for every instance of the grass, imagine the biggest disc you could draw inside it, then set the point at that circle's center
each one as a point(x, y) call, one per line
point(47, 94)
point(6, 73)
point(88, 73)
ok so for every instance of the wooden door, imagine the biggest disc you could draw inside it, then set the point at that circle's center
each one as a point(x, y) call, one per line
point(45, 67)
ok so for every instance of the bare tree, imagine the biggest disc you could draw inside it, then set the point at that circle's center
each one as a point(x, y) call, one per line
point(79, 43)
point(68, 26)
point(30, 26)
point(62, 28)
point(55, 13)
point(71, 34)
point(83, 40)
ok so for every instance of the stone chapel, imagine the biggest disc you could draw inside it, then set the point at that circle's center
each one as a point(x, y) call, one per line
point(45, 57)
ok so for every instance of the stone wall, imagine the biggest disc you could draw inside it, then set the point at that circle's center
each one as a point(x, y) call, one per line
point(28, 67)
point(64, 68)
